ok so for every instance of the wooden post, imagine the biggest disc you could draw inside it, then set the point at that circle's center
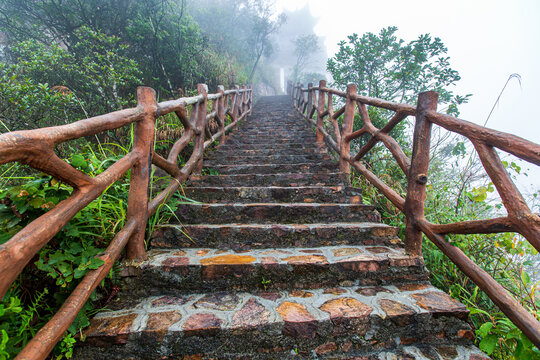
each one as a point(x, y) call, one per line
point(310, 99)
point(244, 99)
point(221, 112)
point(298, 95)
point(235, 105)
point(417, 179)
point(250, 99)
point(143, 143)
point(202, 89)
point(320, 110)
point(346, 129)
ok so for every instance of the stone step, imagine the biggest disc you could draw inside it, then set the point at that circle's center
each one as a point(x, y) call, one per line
point(275, 213)
point(312, 167)
point(175, 271)
point(218, 153)
point(267, 146)
point(271, 159)
point(279, 179)
point(250, 141)
point(277, 194)
point(252, 236)
point(383, 322)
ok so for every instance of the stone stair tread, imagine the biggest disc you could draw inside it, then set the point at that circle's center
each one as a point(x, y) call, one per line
point(281, 194)
point(249, 236)
point(307, 167)
point(277, 178)
point(173, 271)
point(286, 213)
point(305, 319)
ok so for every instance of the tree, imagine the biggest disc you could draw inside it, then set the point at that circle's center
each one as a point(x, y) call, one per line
point(386, 67)
point(263, 27)
point(304, 46)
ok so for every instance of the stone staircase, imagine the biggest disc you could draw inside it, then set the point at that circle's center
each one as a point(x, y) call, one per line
point(280, 259)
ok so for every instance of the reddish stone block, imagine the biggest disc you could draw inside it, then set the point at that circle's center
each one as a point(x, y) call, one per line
point(466, 334)
point(405, 260)
point(326, 348)
point(441, 304)
point(378, 249)
point(268, 261)
point(230, 259)
point(363, 263)
point(346, 307)
point(110, 330)
point(224, 265)
point(348, 315)
point(202, 252)
point(347, 251)
point(269, 295)
point(174, 262)
point(399, 313)
point(300, 293)
point(412, 287)
point(159, 323)
point(298, 321)
point(306, 260)
point(252, 314)
point(222, 301)
point(311, 251)
point(334, 291)
point(171, 300)
point(372, 291)
point(202, 324)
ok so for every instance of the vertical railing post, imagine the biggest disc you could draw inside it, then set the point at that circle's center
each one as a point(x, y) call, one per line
point(143, 142)
point(298, 95)
point(346, 129)
point(235, 105)
point(244, 99)
point(417, 177)
point(221, 111)
point(250, 99)
point(202, 89)
point(310, 98)
point(320, 110)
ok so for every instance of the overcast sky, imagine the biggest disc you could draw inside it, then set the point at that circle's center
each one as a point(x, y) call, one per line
point(487, 41)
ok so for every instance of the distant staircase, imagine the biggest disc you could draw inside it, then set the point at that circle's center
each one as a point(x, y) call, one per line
point(280, 259)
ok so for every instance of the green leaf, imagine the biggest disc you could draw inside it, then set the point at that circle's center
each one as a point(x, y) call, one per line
point(484, 329)
point(95, 263)
point(79, 273)
point(489, 343)
point(78, 161)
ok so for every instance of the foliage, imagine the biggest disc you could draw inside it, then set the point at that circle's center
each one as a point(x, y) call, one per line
point(453, 196)
point(26, 104)
point(386, 67)
point(162, 36)
point(96, 72)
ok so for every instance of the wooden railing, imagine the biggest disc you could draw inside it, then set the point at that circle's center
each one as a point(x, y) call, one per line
point(36, 149)
point(318, 101)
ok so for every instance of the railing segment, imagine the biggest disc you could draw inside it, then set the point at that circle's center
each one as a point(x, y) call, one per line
point(36, 149)
point(318, 101)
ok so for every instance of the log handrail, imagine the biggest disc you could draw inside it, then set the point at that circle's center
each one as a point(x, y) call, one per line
point(36, 149)
point(520, 219)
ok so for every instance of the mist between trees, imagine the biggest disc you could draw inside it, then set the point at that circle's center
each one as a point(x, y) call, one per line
point(64, 60)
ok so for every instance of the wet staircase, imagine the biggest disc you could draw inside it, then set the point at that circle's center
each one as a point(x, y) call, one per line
point(278, 259)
